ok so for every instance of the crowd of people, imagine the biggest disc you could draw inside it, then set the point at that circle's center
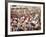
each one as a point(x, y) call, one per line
point(23, 19)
